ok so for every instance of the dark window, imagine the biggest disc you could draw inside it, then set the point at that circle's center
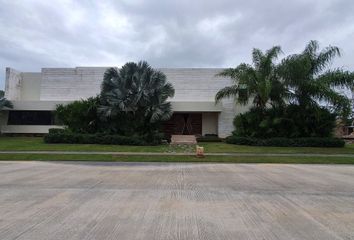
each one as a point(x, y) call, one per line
point(30, 118)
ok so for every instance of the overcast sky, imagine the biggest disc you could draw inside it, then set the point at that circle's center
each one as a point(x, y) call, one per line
point(179, 33)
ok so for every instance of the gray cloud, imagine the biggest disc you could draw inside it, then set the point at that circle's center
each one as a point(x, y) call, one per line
point(41, 33)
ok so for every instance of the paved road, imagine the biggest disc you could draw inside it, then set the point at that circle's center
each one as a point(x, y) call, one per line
point(66, 200)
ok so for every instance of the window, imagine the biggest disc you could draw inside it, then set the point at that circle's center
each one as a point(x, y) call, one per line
point(30, 118)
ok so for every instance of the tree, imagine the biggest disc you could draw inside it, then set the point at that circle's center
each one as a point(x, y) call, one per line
point(135, 96)
point(260, 82)
point(310, 81)
point(4, 102)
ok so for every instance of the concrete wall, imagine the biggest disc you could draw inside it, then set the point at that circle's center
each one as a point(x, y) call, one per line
point(13, 84)
point(27, 128)
point(22, 86)
point(210, 123)
point(30, 86)
point(4, 115)
point(69, 84)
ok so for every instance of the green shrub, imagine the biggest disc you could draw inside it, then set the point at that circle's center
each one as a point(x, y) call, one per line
point(209, 138)
point(287, 142)
point(69, 137)
point(80, 116)
point(288, 122)
point(56, 130)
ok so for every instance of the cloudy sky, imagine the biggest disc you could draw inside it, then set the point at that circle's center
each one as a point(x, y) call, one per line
point(178, 33)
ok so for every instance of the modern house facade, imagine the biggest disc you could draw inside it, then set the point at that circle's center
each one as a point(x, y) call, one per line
point(36, 94)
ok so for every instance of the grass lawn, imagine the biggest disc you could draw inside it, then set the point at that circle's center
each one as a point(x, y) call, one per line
point(208, 159)
point(37, 144)
point(230, 148)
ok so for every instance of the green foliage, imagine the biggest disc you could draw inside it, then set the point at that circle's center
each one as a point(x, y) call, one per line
point(287, 96)
point(209, 138)
point(304, 79)
point(57, 130)
point(290, 121)
point(287, 142)
point(80, 116)
point(259, 82)
point(309, 79)
point(62, 136)
point(133, 100)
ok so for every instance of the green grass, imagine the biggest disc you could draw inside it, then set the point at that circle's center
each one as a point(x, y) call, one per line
point(230, 148)
point(208, 159)
point(37, 144)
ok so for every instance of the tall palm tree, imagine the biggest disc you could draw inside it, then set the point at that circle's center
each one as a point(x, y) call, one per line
point(4, 102)
point(259, 82)
point(136, 89)
point(309, 79)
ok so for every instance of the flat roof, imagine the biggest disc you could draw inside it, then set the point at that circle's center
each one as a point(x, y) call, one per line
point(177, 106)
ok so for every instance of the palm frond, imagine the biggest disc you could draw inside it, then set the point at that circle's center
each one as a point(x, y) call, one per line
point(337, 78)
point(226, 92)
point(324, 58)
point(136, 89)
point(311, 48)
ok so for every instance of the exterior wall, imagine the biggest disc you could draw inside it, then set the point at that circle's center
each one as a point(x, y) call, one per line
point(37, 105)
point(13, 84)
point(4, 115)
point(209, 123)
point(27, 128)
point(30, 86)
point(69, 84)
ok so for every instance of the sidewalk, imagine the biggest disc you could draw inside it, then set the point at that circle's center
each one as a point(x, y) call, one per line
point(178, 154)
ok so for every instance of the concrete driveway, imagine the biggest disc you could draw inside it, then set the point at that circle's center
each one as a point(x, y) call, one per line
point(63, 200)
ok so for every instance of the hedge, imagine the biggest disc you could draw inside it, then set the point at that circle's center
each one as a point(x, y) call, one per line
point(287, 142)
point(209, 139)
point(63, 136)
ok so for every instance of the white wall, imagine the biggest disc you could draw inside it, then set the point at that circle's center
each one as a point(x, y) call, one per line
point(69, 84)
point(209, 123)
point(30, 86)
point(13, 84)
point(27, 128)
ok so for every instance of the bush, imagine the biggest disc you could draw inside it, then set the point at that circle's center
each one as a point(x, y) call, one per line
point(62, 136)
point(287, 122)
point(56, 130)
point(287, 142)
point(80, 116)
point(209, 138)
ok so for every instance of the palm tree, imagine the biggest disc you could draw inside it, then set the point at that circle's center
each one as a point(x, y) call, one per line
point(4, 102)
point(138, 90)
point(259, 82)
point(310, 81)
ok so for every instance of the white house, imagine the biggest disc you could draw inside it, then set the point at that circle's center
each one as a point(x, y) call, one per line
point(36, 94)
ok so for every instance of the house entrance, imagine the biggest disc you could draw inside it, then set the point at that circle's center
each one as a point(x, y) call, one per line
point(184, 124)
